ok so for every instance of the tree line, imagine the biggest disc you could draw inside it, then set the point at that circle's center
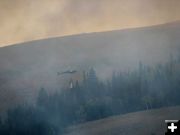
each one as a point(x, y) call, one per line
point(147, 87)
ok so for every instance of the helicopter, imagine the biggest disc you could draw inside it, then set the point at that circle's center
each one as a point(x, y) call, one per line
point(67, 72)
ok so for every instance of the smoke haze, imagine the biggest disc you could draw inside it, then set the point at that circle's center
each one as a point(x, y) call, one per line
point(26, 20)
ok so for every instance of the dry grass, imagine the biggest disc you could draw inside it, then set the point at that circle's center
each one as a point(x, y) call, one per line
point(140, 123)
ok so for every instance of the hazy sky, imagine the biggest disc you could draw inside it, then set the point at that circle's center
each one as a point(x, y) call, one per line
point(25, 20)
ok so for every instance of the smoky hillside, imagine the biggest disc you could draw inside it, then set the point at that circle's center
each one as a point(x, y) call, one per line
point(92, 99)
point(26, 68)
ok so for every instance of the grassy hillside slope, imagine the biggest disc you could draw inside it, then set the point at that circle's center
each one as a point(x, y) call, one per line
point(150, 122)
